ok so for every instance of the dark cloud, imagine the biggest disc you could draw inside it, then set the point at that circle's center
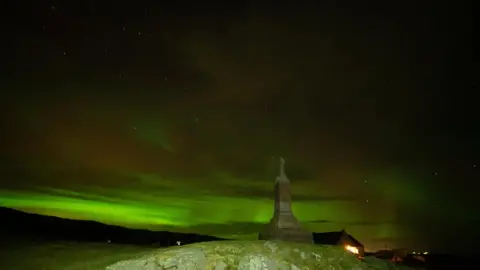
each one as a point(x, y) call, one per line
point(233, 229)
point(345, 94)
point(319, 221)
point(371, 223)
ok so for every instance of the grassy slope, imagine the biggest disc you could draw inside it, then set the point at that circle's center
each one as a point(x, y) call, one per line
point(65, 255)
point(236, 254)
point(76, 256)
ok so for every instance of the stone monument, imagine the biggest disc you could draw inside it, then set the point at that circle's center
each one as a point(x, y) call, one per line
point(284, 225)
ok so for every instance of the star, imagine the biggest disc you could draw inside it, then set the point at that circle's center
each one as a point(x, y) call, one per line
point(219, 73)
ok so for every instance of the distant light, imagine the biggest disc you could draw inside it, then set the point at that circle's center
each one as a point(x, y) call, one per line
point(109, 241)
point(178, 243)
point(425, 253)
point(352, 249)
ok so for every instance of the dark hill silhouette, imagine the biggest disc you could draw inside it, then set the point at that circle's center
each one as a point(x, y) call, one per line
point(16, 225)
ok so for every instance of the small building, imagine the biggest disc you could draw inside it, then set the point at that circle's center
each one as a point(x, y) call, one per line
point(341, 238)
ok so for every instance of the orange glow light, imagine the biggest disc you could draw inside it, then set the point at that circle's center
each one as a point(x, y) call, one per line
point(352, 249)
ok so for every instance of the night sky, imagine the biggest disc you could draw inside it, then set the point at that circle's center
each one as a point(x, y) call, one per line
point(173, 116)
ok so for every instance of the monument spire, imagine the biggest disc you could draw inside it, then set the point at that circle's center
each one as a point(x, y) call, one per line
point(282, 177)
point(284, 225)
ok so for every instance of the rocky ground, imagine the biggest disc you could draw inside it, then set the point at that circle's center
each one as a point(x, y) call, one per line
point(25, 255)
point(251, 255)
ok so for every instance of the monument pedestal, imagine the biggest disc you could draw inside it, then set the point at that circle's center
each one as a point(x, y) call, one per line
point(290, 234)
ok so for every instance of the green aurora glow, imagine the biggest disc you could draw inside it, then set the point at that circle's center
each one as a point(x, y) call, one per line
point(219, 208)
point(144, 177)
point(180, 128)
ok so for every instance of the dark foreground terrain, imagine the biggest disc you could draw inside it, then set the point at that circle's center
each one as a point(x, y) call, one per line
point(25, 255)
point(61, 255)
point(29, 241)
